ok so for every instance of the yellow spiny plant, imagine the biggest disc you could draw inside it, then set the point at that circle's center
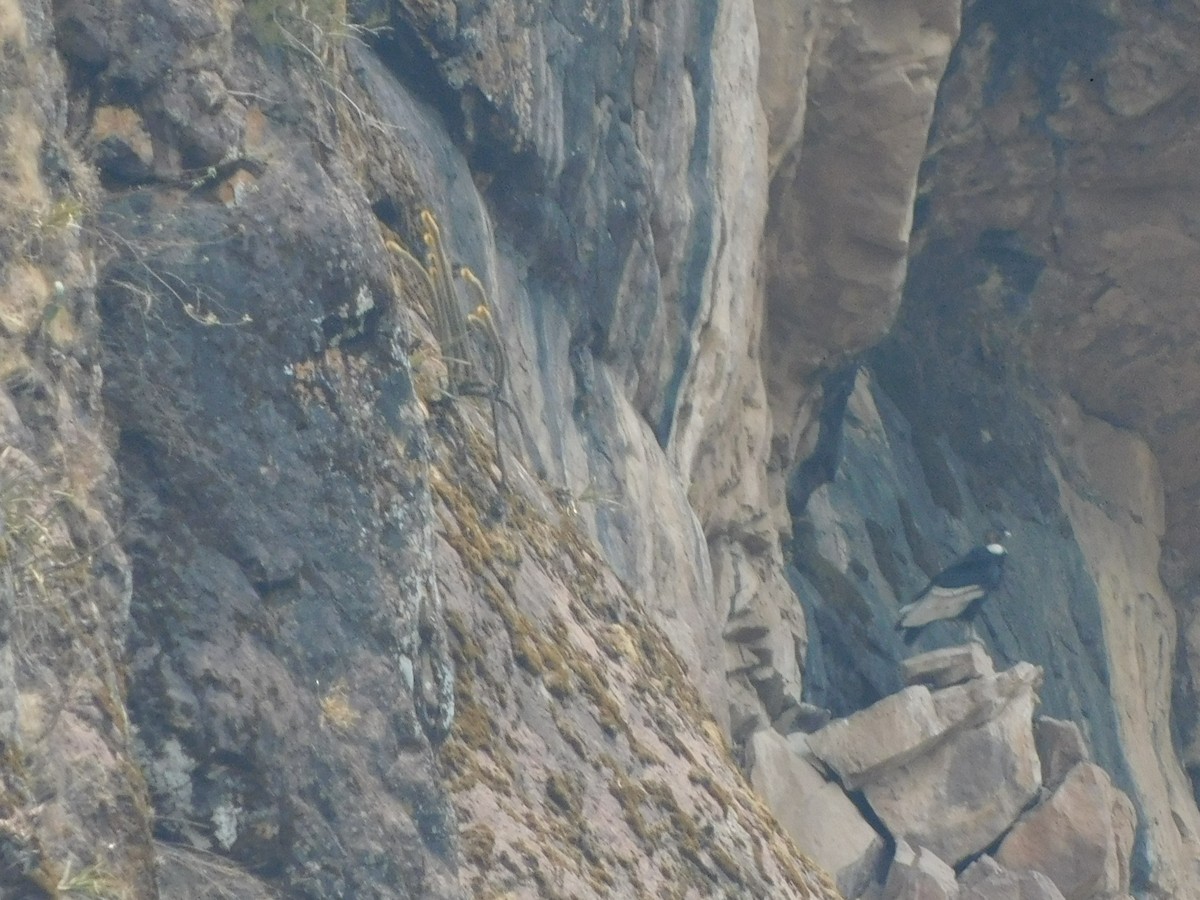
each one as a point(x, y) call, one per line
point(466, 339)
point(436, 291)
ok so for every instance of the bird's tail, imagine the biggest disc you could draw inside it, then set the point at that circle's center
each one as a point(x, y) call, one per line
point(908, 634)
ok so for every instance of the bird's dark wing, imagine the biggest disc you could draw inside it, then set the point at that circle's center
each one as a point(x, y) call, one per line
point(976, 567)
point(955, 589)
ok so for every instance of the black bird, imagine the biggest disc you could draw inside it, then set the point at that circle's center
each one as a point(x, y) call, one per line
point(957, 591)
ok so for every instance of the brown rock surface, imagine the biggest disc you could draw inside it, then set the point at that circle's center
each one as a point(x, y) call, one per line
point(846, 145)
point(967, 789)
point(1060, 173)
point(815, 812)
point(1120, 535)
point(949, 666)
point(75, 806)
point(886, 734)
point(986, 880)
point(1060, 747)
point(1081, 837)
point(918, 875)
point(1107, 216)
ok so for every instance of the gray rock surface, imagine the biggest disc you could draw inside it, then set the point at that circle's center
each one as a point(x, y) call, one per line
point(265, 532)
point(859, 553)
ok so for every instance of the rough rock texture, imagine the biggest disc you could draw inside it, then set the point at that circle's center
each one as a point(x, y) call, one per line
point(866, 542)
point(848, 93)
point(1060, 747)
point(846, 137)
point(886, 734)
point(950, 773)
point(324, 538)
point(1057, 243)
point(1081, 837)
point(905, 725)
point(964, 793)
point(65, 734)
point(1121, 546)
point(686, 222)
point(985, 879)
point(953, 665)
point(918, 875)
point(947, 771)
point(820, 818)
point(1084, 218)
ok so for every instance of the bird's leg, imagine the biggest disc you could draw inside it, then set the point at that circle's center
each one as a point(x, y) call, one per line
point(974, 635)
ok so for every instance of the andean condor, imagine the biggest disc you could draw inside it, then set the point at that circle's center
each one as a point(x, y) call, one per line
point(957, 591)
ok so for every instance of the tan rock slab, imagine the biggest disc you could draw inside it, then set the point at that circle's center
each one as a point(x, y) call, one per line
point(970, 704)
point(864, 746)
point(965, 792)
point(885, 734)
point(918, 875)
point(1081, 837)
point(1006, 885)
point(1060, 747)
point(817, 814)
point(948, 666)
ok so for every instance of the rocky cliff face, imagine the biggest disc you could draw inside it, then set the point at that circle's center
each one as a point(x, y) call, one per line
point(440, 437)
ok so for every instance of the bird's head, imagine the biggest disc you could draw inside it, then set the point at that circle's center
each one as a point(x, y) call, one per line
point(994, 539)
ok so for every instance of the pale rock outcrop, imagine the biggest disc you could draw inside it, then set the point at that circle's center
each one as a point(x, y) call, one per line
point(903, 725)
point(889, 733)
point(1060, 747)
point(964, 793)
point(947, 770)
point(985, 879)
point(1116, 507)
point(815, 812)
point(841, 207)
point(828, 284)
point(1082, 236)
point(1081, 837)
point(918, 875)
point(950, 666)
point(1084, 603)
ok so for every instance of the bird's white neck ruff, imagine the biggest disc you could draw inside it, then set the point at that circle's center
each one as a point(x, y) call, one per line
point(998, 549)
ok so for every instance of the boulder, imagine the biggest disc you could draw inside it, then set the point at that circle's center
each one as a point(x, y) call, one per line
point(975, 702)
point(1060, 747)
point(965, 792)
point(802, 717)
point(903, 726)
point(1081, 837)
point(918, 875)
point(817, 814)
point(1004, 884)
point(949, 666)
point(983, 868)
point(886, 734)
